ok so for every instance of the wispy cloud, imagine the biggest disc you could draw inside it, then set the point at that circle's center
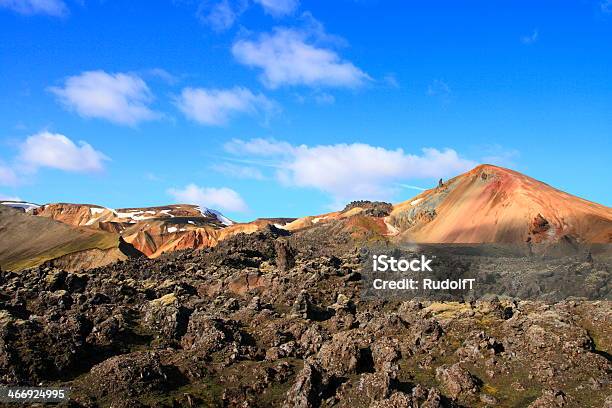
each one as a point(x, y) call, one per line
point(214, 107)
point(237, 171)
point(278, 8)
point(224, 199)
point(411, 187)
point(8, 177)
point(153, 177)
point(531, 38)
point(54, 8)
point(391, 81)
point(221, 15)
point(351, 171)
point(606, 6)
point(117, 97)
point(499, 155)
point(324, 98)
point(439, 89)
point(162, 74)
point(289, 57)
point(259, 147)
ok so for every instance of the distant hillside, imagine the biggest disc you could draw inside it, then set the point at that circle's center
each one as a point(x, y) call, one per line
point(27, 241)
point(155, 230)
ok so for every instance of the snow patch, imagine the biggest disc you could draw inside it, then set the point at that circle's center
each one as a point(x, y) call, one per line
point(126, 214)
point(172, 229)
point(207, 212)
point(95, 211)
point(27, 207)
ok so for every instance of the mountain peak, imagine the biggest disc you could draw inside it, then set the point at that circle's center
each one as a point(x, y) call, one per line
point(494, 204)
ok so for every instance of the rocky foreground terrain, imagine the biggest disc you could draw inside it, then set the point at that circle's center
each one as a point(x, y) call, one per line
point(273, 319)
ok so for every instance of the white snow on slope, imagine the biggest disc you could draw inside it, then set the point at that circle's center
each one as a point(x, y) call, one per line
point(208, 212)
point(27, 207)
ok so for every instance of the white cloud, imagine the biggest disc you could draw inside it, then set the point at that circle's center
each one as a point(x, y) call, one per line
point(243, 172)
point(258, 147)
point(279, 8)
point(224, 199)
point(353, 171)
point(120, 98)
point(56, 151)
point(292, 57)
point(7, 176)
point(216, 106)
point(531, 38)
point(55, 8)
point(221, 15)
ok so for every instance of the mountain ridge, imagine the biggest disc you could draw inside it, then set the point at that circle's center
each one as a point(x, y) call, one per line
point(488, 204)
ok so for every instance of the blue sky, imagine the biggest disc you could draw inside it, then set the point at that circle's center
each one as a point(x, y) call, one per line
point(287, 108)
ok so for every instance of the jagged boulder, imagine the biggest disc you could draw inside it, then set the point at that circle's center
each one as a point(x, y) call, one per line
point(129, 375)
point(457, 380)
point(166, 317)
point(308, 388)
point(285, 255)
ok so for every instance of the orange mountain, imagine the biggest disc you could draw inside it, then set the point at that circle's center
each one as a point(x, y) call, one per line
point(491, 204)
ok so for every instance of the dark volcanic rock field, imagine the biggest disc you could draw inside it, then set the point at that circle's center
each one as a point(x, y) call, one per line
point(272, 320)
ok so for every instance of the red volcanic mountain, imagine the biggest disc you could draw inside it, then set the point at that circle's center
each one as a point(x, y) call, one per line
point(491, 204)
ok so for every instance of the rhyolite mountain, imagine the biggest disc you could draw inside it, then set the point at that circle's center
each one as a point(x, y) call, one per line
point(153, 230)
point(491, 204)
point(487, 205)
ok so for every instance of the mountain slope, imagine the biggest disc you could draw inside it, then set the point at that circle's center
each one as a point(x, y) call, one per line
point(155, 230)
point(27, 241)
point(97, 216)
point(494, 204)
